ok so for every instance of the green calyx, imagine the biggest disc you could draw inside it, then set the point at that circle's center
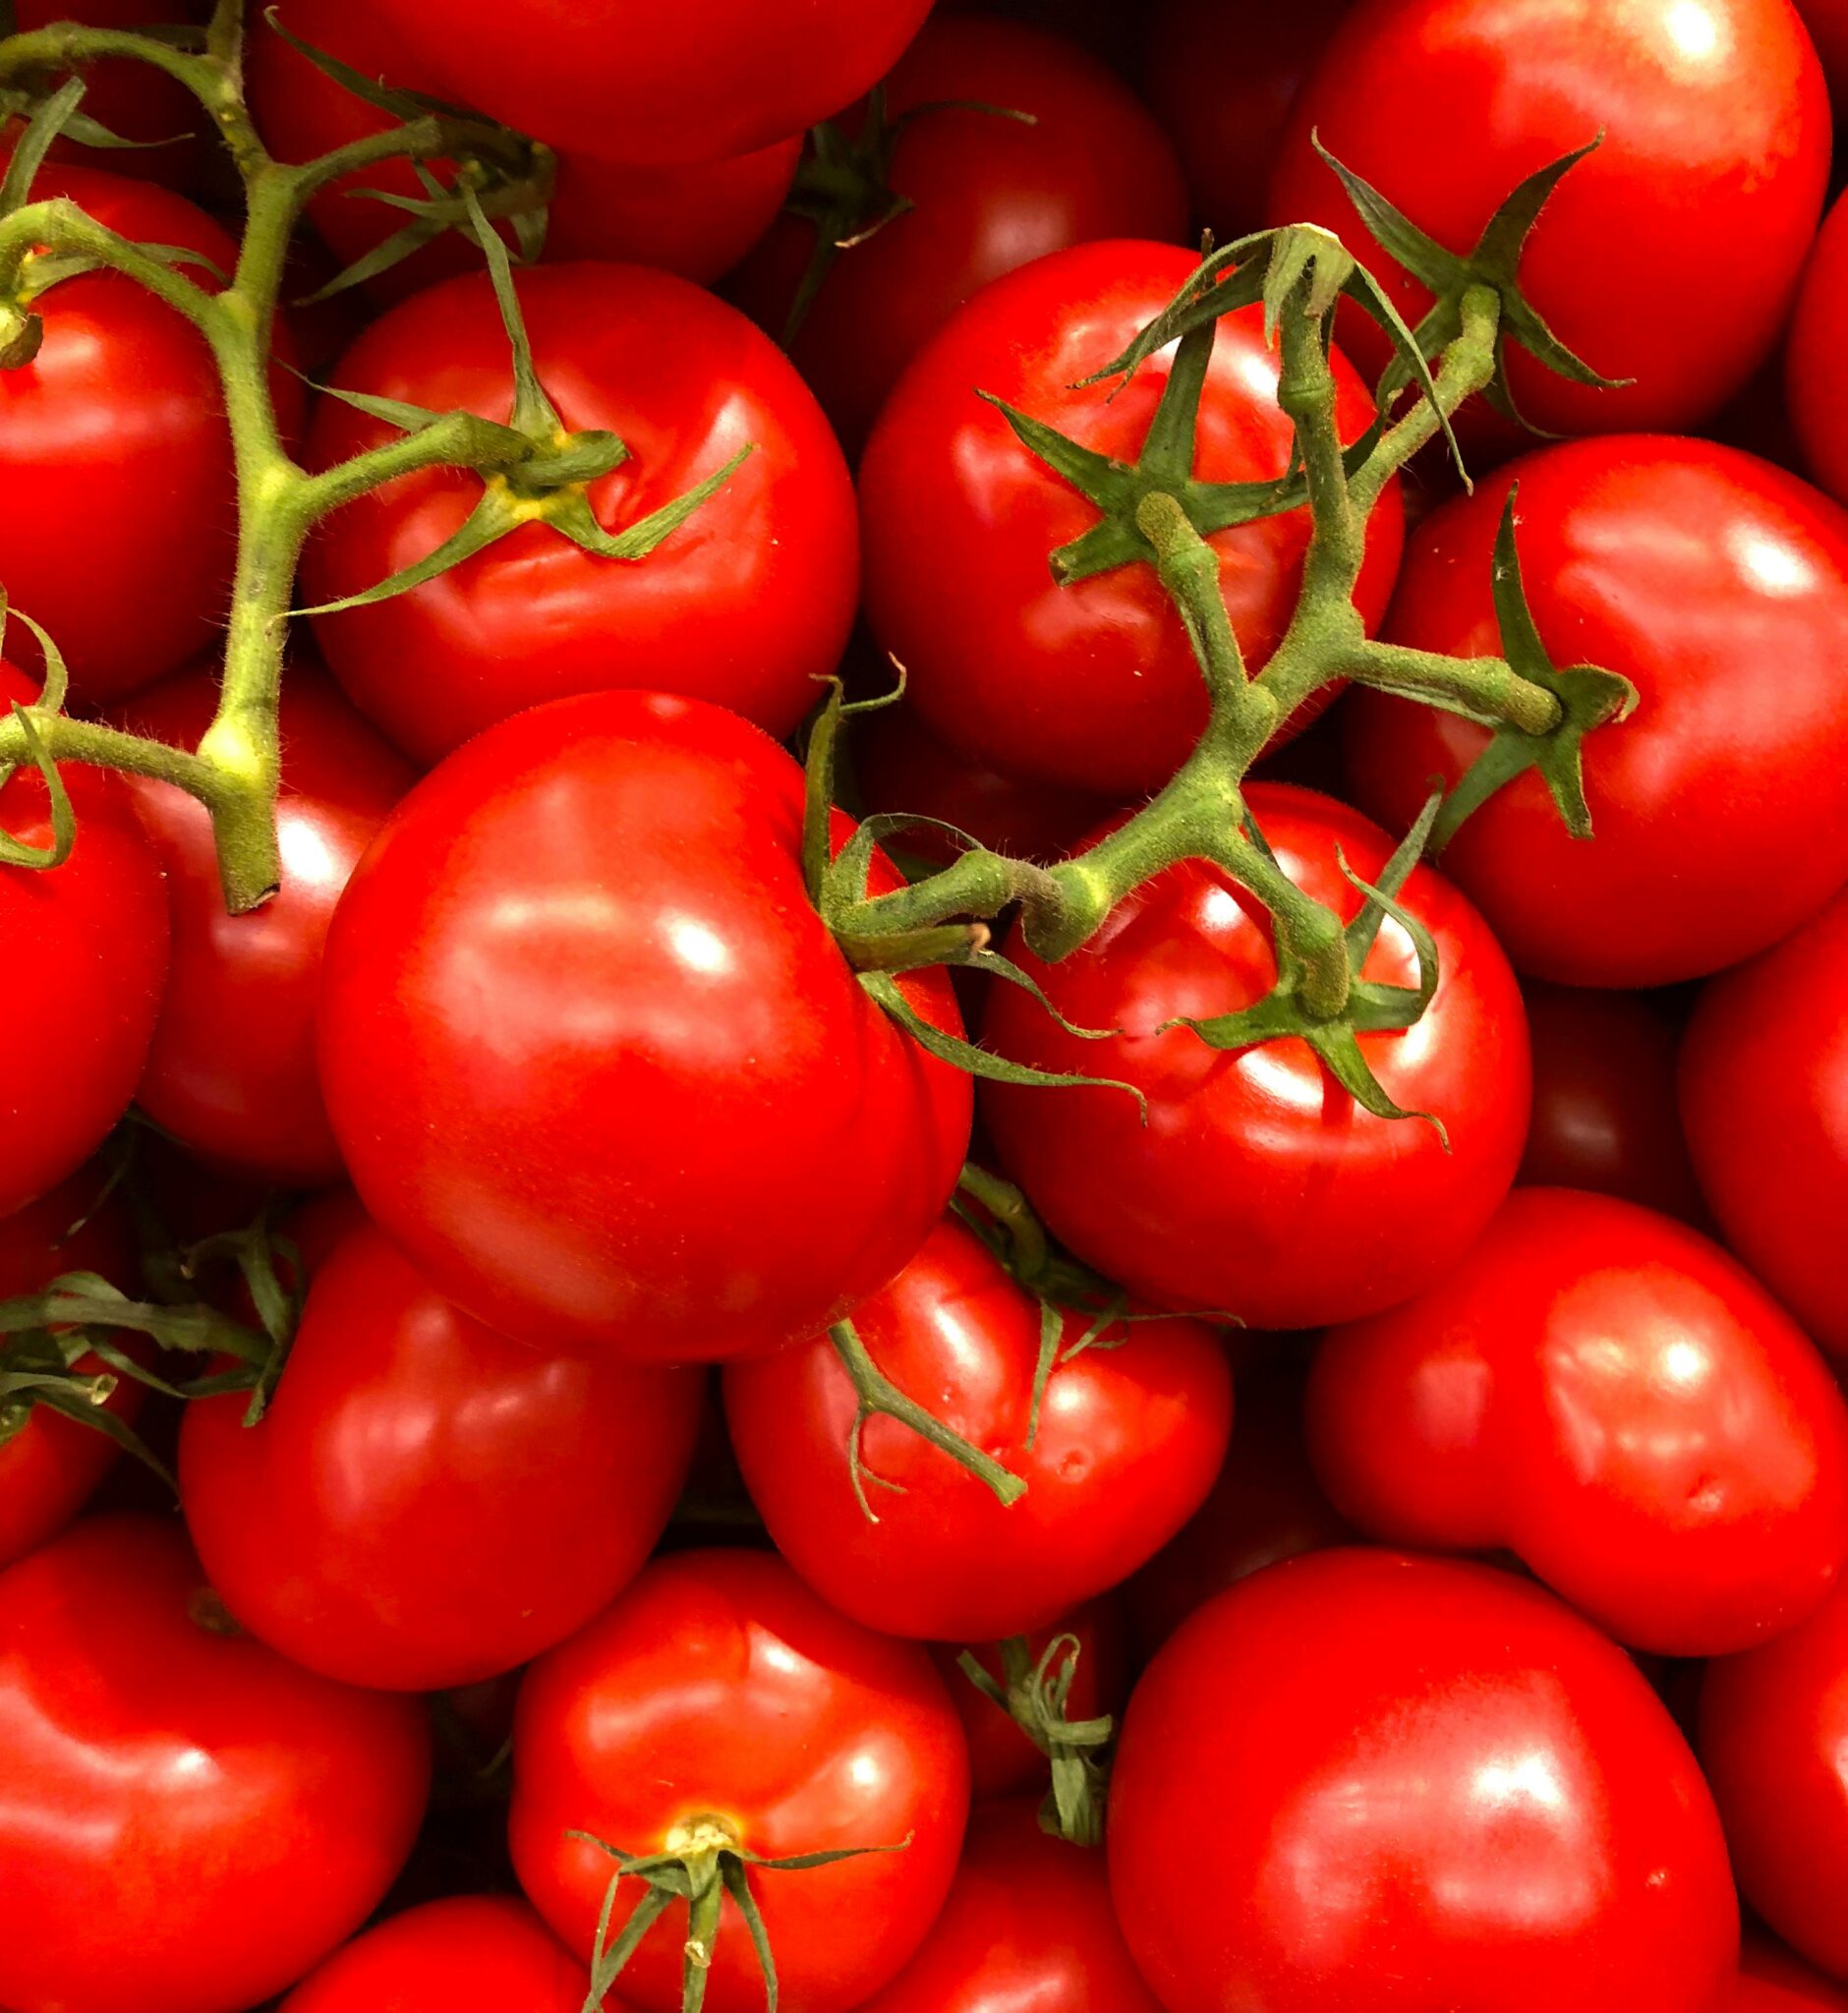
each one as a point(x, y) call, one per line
point(1033, 1693)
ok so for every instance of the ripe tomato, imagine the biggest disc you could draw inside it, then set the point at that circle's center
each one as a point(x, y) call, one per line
point(1608, 1395)
point(1027, 1924)
point(1819, 407)
point(1718, 585)
point(1091, 686)
point(1828, 22)
point(1774, 1740)
point(747, 603)
point(179, 1798)
point(1130, 1434)
point(1258, 1188)
point(1427, 1785)
point(475, 1953)
point(988, 194)
point(718, 1683)
point(1772, 1980)
point(594, 1060)
point(1764, 1098)
point(1715, 130)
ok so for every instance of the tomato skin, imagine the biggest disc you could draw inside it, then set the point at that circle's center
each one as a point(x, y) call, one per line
point(990, 194)
point(178, 1793)
point(1819, 408)
point(1828, 22)
point(1716, 122)
point(1772, 1980)
point(717, 1683)
point(660, 1115)
point(745, 603)
point(425, 1503)
point(1091, 686)
point(1721, 818)
point(1130, 1439)
point(1439, 1788)
point(1258, 1188)
point(474, 1953)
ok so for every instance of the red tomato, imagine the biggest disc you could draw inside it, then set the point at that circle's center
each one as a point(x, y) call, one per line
point(1828, 22)
point(1027, 1925)
point(595, 1062)
point(179, 1800)
point(424, 1502)
point(1764, 1098)
point(747, 603)
point(1427, 1785)
point(1718, 585)
point(718, 1683)
point(1091, 686)
point(1819, 406)
point(988, 194)
point(1715, 131)
point(1604, 1392)
point(231, 1073)
point(1131, 1432)
point(1774, 1740)
point(1772, 1980)
point(477, 1953)
point(1258, 1188)
point(89, 943)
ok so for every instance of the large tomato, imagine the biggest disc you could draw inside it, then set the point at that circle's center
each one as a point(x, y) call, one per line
point(1258, 1188)
point(596, 1063)
point(1604, 1392)
point(1424, 1785)
point(1092, 685)
point(474, 1953)
point(1718, 585)
point(179, 1798)
point(1130, 1433)
point(718, 1687)
point(1813, 389)
point(1715, 130)
point(1772, 1980)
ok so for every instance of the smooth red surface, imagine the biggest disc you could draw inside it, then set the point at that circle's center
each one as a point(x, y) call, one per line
point(719, 1683)
point(1772, 1980)
point(483, 1953)
point(1258, 1188)
point(1426, 1785)
point(594, 1060)
point(1813, 388)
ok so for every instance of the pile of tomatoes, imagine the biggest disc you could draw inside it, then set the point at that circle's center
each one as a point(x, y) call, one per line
point(571, 1437)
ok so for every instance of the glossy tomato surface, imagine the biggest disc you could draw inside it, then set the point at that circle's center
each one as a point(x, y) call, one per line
point(1093, 685)
point(1258, 1188)
point(594, 1060)
point(484, 1953)
point(1439, 1788)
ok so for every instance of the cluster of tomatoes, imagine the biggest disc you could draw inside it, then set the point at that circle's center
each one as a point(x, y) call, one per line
point(681, 1500)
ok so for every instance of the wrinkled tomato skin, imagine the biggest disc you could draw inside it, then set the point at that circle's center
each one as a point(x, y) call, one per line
point(1774, 1740)
point(1610, 1397)
point(1719, 586)
point(1715, 124)
point(472, 1953)
point(989, 194)
point(1130, 1437)
point(1091, 686)
point(179, 1798)
point(745, 603)
point(1027, 1924)
point(521, 1489)
point(1438, 1788)
point(718, 1683)
point(1772, 1980)
point(594, 1060)
point(1813, 388)
point(1258, 1188)
point(231, 1070)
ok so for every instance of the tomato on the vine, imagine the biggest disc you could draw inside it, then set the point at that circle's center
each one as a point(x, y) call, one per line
point(472, 1953)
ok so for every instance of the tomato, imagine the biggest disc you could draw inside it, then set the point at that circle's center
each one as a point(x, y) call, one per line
point(988, 193)
point(1772, 1980)
point(1608, 1395)
point(1764, 1098)
point(747, 603)
point(718, 1683)
point(88, 940)
point(1091, 686)
point(1434, 1787)
point(231, 1072)
point(595, 1062)
point(178, 1798)
point(1027, 1924)
point(1258, 1188)
point(695, 220)
point(1718, 585)
point(1828, 22)
point(1130, 1433)
point(1817, 406)
point(1715, 130)
point(473, 1954)
point(1774, 1740)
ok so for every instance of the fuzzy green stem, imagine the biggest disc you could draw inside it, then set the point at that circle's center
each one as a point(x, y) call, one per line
point(1467, 366)
point(1485, 688)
